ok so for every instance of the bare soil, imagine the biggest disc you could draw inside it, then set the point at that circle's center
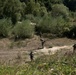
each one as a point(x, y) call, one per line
point(18, 52)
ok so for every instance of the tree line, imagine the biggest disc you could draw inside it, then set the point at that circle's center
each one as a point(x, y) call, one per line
point(55, 17)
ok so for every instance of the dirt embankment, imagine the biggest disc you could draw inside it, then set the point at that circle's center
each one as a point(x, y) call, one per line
point(18, 52)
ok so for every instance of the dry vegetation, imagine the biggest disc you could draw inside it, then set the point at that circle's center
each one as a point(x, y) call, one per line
point(11, 52)
point(15, 60)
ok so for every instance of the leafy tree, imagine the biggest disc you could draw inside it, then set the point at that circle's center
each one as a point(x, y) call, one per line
point(23, 30)
point(36, 10)
point(10, 9)
point(33, 8)
point(43, 11)
point(45, 3)
point(60, 9)
point(5, 27)
point(23, 10)
point(2, 4)
point(56, 26)
point(30, 7)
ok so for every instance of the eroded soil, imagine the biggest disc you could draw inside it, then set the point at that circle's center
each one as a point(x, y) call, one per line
point(18, 52)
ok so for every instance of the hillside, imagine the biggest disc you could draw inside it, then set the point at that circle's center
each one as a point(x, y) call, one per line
point(52, 18)
point(18, 52)
point(28, 25)
point(57, 64)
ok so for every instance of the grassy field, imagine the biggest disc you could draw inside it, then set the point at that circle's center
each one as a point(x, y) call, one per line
point(44, 65)
point(61, 63)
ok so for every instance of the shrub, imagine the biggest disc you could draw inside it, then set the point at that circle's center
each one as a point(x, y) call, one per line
point(23, 29)
point(30, 17)
point(56, 26)
point(72, 32)
point(43, 11)
point(60, 9)
point(44, 25)
point(62, 26)
point(5, 27)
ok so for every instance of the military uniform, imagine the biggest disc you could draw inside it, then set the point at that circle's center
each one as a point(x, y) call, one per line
point(74, 47)
point(42, 42)
point(31, 55)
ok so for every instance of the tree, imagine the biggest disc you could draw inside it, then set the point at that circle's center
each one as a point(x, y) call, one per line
point(60, 10)
point(23, 30)
point(5, 27)
point(10, 8)
point(2, 3)
point(45, 3)
point(33, 8)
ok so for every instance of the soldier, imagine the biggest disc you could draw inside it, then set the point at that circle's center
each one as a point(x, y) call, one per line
point(74, 48)
point(42, 42)
point(41, 39)
point(31, 56)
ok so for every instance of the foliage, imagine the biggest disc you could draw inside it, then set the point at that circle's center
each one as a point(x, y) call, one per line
point(32, 8)
point(45, 65)
point(56, 26)
point(43, 11)
point(5, 27)
point(30, 17)
point(23, 29)
point(44, 25)
point(60, 9)
point(11, 9)
point(36, 10)
point(73, 31)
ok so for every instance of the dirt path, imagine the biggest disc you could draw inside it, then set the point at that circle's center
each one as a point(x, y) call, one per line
point(52, 50)
point(16, 56)
point(18, 52)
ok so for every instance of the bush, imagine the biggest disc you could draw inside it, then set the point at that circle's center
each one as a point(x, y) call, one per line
point(30, 17)
point(62, 26)
point(60, 9)
point(56, 26)
point(23, 29)
point(44, 25)
point(5, 27)
point(72, 32)
point(43, 11)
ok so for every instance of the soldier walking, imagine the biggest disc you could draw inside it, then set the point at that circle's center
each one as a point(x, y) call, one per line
point(42, 42)
point(74, 48)
point(31, 56)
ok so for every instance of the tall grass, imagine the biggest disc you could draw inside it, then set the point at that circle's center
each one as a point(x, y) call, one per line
point(45, 65)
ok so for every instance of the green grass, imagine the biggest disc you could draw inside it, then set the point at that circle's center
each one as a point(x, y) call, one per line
point(45, 65)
